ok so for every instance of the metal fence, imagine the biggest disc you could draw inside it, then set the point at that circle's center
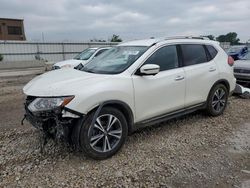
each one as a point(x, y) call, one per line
point(50, 51)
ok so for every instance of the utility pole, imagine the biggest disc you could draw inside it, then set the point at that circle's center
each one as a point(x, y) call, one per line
point(42, 37)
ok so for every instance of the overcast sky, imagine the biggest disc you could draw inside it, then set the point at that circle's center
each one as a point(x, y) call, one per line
point(81, 20)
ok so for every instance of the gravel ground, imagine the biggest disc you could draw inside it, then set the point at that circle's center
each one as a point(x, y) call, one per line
point(194, 151)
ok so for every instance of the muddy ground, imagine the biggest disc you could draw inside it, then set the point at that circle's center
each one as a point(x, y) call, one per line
point(193, 151)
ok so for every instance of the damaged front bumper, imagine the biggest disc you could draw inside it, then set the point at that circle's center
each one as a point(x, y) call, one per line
point(56, 124)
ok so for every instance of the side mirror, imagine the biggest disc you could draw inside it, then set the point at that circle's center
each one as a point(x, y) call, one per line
point(149, 69)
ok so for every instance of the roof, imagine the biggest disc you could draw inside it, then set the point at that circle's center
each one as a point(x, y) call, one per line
point(13, 19)
point(97, 48)
point(146, 42)
point(105, 47)
point(149, 42)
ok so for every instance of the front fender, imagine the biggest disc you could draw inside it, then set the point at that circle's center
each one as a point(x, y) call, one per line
point(84, 104)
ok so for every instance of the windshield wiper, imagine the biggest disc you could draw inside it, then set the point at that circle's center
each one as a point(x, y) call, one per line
point(90, 71)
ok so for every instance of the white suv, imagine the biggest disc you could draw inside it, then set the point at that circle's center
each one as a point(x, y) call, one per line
point(131, 85)
point(81, 59)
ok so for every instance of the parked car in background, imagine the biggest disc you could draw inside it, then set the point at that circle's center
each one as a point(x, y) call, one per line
point(236, 52)
point(242, 91)
point(82, 58)
point(242, 69)
point(132, 85)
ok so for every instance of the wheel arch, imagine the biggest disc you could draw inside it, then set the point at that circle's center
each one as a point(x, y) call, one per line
point(221, 81)
point(120, 105)
point(224, 82)
point(209, 100)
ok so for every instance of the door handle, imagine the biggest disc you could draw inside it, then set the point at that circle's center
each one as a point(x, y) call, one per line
point(179, 78)
point(212, 69)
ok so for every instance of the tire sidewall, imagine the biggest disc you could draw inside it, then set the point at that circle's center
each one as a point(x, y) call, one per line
point(84, 140)
point(210, 108)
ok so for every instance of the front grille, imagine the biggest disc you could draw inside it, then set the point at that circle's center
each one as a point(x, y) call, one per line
point(244, 71)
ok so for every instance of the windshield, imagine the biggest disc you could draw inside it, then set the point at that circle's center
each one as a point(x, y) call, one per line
point(85, 55)
point(235, 49)
point(115, 60)
point(246, 56)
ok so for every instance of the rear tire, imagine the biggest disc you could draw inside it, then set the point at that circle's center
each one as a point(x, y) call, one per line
point(106, 137)
point(217, 100)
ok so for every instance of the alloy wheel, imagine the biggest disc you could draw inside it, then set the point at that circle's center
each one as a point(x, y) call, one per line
point(219, 100)
point(106, 133)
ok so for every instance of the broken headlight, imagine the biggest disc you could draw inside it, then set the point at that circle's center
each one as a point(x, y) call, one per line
point(43, 104)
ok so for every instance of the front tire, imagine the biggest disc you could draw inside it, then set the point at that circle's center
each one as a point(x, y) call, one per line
point(217, 100)
point(106, 136)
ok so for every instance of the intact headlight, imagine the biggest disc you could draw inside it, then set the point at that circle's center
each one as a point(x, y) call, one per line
point(43, 104)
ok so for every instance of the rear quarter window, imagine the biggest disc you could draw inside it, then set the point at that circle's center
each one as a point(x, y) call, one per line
point(212, 51)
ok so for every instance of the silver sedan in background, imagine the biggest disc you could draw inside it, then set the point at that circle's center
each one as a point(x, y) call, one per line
point(82, 58)
point(242, 70)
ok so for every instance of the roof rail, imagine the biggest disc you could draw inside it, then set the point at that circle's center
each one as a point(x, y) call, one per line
point(187, 37)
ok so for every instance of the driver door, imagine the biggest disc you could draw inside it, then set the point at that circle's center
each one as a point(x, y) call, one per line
point(164, 92)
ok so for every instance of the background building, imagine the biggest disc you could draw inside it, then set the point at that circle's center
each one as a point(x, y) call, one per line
point(11, 29)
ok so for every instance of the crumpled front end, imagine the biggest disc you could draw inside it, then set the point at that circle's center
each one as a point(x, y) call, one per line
point(56, 123)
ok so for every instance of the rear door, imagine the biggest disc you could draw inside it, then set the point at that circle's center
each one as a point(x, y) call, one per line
point(201, 72)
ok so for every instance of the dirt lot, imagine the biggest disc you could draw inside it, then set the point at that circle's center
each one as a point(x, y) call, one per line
point(194, 151)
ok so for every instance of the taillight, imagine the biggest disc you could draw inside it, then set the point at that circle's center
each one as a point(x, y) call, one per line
point(230, 61)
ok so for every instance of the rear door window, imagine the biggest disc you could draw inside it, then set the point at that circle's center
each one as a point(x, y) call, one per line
point(193, 54)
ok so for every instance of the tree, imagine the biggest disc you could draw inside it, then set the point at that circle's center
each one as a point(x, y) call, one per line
point(211, 37)
point(116, 38)
point(229, 37)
